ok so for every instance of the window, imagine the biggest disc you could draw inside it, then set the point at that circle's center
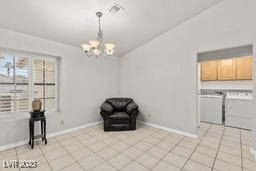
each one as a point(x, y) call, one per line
point(23, 79)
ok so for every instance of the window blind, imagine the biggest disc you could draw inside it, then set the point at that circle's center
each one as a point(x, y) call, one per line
point(44, 82)
point(24, 79)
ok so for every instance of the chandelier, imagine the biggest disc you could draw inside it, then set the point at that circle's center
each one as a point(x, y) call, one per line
point(96, 47)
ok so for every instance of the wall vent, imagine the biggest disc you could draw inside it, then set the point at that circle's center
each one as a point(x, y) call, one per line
point(116, 8)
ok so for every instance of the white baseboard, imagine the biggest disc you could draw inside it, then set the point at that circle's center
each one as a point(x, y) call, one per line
point(24, 142)
point(253, 152)
point(169, 129)
point(13, 145)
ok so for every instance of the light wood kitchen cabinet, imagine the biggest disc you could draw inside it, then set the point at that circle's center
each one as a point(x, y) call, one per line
point(227, 69)
point(244, 68)
point(209, 70)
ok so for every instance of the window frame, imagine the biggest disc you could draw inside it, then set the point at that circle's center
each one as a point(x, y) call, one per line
point(31, 79)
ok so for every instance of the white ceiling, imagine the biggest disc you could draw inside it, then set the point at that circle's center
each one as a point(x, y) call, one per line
point(74, 22)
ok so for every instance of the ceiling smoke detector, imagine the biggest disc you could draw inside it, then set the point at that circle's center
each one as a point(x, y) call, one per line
point(116, 8)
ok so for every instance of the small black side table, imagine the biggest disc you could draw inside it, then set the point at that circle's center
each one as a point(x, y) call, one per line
point(34, 117)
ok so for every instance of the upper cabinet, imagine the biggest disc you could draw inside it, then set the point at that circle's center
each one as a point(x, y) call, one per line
point(227, 69)
point(209, 70)
point(244, 68)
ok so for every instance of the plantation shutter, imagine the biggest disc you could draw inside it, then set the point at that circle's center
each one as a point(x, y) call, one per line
point(44, 82)
point(14, 84)
point(23, 79)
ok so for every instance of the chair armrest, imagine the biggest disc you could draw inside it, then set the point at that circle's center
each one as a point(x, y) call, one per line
point(130, 107)
point(105, 115)
point(107, 107)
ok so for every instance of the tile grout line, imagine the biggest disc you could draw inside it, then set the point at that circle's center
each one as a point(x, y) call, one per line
point(17, 157)
point(228, 153)
point(241, 149)
point(46, 158)
point(98, 151)
point(121, 141)
point(70, 156)
point(143, 152)
point(50, 151)
point(92, 136)
point(36, 155)
point(94, 152)
point(56, 142)
point(61, 146)
point(155, 145)
point(218, 148)
point(87, 148)
point(196, 147)
point(231, 153)
point(110, 136)
point(169, 152)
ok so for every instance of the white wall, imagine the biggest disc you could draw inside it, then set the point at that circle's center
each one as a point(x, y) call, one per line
point(227, 85)
point(84, 84)
point(161, 74)
point(254, 102)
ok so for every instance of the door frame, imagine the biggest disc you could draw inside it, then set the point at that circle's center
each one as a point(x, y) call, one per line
point(253, 148)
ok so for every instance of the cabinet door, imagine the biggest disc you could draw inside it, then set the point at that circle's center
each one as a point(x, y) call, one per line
point(244, 68)
point(227, 69)
point(209, 70)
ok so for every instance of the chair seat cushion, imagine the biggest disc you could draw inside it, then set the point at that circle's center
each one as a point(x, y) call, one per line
point(119, 115)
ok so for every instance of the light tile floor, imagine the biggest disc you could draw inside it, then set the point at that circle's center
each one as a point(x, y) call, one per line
point(147, 148)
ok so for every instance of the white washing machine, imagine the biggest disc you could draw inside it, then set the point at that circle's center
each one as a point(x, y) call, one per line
point(239, 110)
point(211, 108)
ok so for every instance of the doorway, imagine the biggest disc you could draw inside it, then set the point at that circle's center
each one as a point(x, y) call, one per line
point(225, 89)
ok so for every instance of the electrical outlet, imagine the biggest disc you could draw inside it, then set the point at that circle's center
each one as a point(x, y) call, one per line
point(62, 122)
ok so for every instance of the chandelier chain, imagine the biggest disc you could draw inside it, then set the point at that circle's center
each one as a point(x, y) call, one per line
point(99, 24)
